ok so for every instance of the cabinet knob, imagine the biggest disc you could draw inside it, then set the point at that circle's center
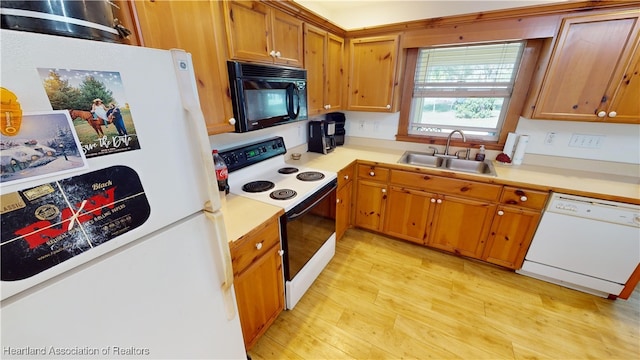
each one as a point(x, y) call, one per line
point(337, 201)
point(346, 177)
point(232, 121)
point(439, 201)
point(280, 252)
point(272, 53)
point(613, 114)
point(602, 114)
point(384, 191)
point(327, 107)
point(500, 212)
point(259, 245)
point(388, 106)
point(433, 200)
point(523, 198)
point(371, 173)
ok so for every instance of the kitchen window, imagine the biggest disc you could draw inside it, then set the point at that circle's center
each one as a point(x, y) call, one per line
point(477, 88)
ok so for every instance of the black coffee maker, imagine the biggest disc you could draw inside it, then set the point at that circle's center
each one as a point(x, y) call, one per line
point(322, 136)
point(339, 119)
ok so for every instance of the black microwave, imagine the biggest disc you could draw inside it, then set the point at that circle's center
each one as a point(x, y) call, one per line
point(265, 96)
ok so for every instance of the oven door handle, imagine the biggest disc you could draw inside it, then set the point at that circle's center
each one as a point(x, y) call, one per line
point(308, 208)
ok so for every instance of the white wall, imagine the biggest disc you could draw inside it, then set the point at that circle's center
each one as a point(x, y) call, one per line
point(294, 134)
point(619, 142)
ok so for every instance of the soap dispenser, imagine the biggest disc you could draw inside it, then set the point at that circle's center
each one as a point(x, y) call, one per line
point(480, 155)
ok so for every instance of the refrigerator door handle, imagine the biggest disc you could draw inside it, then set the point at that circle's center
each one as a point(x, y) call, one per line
point(184, 74)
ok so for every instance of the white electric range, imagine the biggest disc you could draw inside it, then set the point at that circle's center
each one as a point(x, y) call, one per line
point(258, 171)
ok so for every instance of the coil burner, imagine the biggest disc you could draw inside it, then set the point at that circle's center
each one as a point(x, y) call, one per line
point(282, 194)
point(310, 176)
point(288, 170)
point(258, 186)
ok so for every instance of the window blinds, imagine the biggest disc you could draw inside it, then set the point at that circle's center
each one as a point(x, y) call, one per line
point(467, 71)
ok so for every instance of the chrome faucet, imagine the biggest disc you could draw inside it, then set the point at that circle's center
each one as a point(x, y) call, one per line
point(464, 139)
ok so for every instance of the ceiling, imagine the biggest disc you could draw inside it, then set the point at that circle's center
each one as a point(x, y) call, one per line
point(356, 14)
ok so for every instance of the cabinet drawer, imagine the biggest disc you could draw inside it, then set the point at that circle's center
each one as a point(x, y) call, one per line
point(247, 250)
point(345, 175)
point(372, 172)
point(465, 188)
point(523, 197)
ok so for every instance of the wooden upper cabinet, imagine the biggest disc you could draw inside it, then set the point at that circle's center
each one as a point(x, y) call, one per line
point(625, 101)
point(372, 73)
point(592, 72)
point(193, 26)
point(257, 32)
point(323, 58)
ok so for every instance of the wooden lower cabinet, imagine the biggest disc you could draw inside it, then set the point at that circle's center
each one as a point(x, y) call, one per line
point(370, 204)
point(258, 280)
point(510, 236)
point(343, 209)
point(408, 215)
point(460, 225)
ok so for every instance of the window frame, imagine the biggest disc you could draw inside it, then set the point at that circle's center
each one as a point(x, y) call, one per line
point(524, 75)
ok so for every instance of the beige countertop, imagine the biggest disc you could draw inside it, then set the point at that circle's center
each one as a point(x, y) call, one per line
point(607, 185)
point(242, 215)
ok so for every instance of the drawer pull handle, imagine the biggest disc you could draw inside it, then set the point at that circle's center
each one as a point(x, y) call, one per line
point(259, 245)
point(523, 198)
point(500, 212)
point(346, 177)
point(372, 173)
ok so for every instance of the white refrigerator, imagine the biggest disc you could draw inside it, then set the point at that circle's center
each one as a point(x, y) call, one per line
point(113, 241)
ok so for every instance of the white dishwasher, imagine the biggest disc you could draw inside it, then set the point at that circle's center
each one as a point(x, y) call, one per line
point(585, 244)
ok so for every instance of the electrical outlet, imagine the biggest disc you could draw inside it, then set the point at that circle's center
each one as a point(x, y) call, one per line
point(550, 138)
point(586, 141)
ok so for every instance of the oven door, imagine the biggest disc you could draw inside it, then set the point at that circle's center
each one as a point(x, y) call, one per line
point(306, 227)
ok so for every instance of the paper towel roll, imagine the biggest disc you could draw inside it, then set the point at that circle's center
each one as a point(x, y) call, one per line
point(512, 138)
point(518, 155)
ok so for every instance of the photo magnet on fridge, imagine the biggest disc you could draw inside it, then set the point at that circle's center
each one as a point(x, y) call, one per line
point(98, 106)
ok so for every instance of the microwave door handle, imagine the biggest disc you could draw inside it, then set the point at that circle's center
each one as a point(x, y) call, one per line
point(291, 91)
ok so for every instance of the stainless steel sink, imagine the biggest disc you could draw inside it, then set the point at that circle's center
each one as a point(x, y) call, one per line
point(449, 163)
point(471, 166)
point(421, 159)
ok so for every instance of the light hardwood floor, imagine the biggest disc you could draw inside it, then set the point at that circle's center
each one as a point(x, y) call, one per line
point(381, 298)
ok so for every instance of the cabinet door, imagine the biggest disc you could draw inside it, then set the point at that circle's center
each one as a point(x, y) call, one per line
point(511, 234)
point(625, 101)
point(167, 25)
point(343, 209)
point(370, 202)
point(334, 73)
point(460, 226)
point(588, 61)
point(248, 26)
point(286, 33)
point(372, 71)
point(260, 295)
point(315, 41)
point(407, 213)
